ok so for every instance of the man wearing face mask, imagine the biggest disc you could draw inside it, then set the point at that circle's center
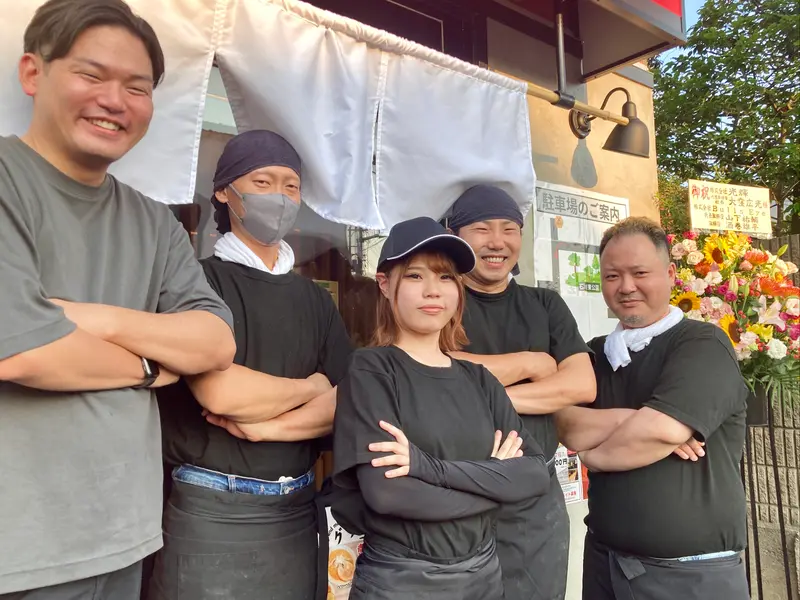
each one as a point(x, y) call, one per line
point(241, 520)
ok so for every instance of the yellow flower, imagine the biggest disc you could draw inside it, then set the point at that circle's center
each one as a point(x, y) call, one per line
point(687, 301)
point(762, 331)
point(714, 249)
point(730, 326)
point(685, 275)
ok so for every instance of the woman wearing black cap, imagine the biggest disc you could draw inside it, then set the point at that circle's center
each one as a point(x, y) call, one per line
point(241, 522)
point(419, 434)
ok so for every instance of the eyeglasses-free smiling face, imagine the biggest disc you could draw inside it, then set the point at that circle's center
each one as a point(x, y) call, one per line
point(497, 244)
point(637, 279)
point(95, 104)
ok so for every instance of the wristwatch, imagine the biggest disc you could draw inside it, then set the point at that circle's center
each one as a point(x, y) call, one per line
point(151, 373)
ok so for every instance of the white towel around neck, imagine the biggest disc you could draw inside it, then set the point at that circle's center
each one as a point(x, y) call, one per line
point(231, 249)
point(621, 342)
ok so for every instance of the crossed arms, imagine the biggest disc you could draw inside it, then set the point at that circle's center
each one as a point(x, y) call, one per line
point(102, 350)
point(542, 385)
point(622, 439)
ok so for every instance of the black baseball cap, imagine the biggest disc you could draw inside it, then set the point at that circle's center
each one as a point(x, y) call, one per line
point(414, 235)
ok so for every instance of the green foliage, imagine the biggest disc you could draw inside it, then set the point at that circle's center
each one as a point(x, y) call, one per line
point(673, 203)
point(727, 108)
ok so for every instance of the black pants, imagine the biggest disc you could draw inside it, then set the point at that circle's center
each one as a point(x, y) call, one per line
point(533, 546)
point(384, 575)
point(237, 546)
point(609, 575)
point(124, 584)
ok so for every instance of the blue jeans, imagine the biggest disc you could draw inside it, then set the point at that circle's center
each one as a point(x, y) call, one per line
point(240, 485)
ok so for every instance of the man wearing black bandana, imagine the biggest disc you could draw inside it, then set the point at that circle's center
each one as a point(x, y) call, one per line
point(241, 522)
point(529, 340)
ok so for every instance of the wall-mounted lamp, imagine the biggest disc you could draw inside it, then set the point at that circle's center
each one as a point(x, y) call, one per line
point(633, 138)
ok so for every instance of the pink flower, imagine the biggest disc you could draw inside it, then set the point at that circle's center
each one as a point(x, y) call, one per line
point(690, 235)
point(678, 251)
point(670, 238)
point(794, 332)
point(745, 265)
point(730, 296)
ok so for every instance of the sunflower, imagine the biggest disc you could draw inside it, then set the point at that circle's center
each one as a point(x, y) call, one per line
point(686, 301)
point(715, 248)
point(730, 326)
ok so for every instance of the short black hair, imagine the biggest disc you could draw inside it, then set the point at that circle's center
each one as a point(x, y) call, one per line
point(57, 25)
point(634, 225)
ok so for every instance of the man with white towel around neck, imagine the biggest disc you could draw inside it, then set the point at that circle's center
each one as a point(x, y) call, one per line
point(241, 521)
point(659, 527)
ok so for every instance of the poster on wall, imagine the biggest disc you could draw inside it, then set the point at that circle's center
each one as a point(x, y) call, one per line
point(570, 474)
point(726, 207)
point(343, 551)
point(568, 226)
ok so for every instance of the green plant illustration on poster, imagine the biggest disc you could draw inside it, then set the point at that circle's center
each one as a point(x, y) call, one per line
point(586, 279)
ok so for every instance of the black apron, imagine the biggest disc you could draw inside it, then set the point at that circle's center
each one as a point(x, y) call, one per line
point(533, 546)
point(237, 546)
point(383, 574)
point(610, 575)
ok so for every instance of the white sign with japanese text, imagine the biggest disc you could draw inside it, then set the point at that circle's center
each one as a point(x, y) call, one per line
point(568, 226)
point(726, 207)
point(569, 472)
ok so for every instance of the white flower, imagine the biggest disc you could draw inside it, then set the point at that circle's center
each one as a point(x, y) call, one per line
point(694, 258)
point(716, 303)
point(690, 245)
point(678, 251)
point(747, 343)
point(714, 278)
point(792, 307)
point(776, 349)
point(791, 268)
point(748, 340)
point(781, 266)
point(699, 286)
point(696, 315)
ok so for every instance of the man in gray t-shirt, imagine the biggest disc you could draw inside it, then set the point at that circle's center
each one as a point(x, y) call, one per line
point(101, 299)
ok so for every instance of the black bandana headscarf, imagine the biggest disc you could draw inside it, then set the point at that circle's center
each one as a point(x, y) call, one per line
point(483, 203)
point(247, 152)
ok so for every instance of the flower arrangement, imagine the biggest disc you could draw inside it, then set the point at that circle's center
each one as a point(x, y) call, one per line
point(723, 279)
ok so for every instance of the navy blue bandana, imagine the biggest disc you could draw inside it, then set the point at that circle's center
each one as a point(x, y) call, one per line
point(482, 203)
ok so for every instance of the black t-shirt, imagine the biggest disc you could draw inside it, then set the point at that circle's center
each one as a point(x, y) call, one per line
point(285, 325)
point(522, 319)
point(675, 507)
point(451, 413)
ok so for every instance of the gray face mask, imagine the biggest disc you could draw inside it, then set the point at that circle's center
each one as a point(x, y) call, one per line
point(268, 217)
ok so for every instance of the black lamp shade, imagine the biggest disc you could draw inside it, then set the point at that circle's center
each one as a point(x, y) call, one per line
point(633, 138)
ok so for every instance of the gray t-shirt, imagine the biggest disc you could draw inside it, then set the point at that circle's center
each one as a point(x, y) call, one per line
point(80, 473)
